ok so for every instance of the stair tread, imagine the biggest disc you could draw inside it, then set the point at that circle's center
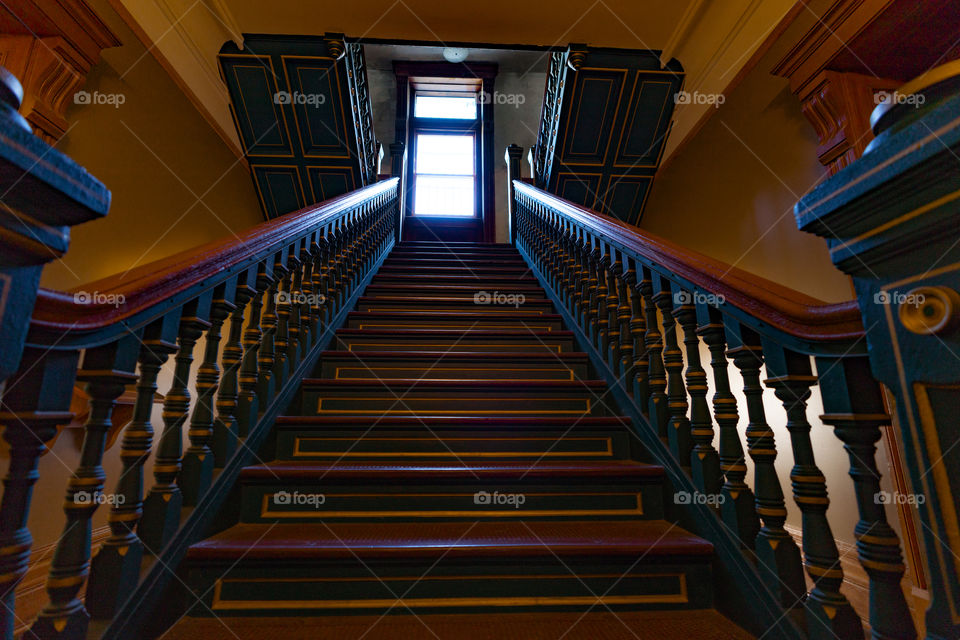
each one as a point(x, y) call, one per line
point(700, 624)
point(283, 470)
point(544, 538)
point(450, 333)
point(500, 385)
point(491, 422)
point(472, 355)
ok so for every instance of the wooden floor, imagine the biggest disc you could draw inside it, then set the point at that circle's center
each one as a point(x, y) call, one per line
point(645, 625)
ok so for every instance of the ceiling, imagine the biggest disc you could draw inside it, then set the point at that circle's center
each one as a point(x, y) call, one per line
point(712, 40)
point(381, 56)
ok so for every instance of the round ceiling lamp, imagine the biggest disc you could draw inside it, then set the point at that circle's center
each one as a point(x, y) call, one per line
point(455, 54)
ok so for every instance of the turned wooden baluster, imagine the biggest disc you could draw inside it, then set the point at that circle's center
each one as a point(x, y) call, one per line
point(325, 277)
point(266, 357)
point(598, 309)
point(306, 310)
point(106, 370)
point(579, 275)
point(704, 461)
point(161, 510)
point(226, 427)
point(248, 404)
point(318, 305)
point(678, 425)
point(854, 407)
point(829, 614)
point(35, 405)
point(569, 265)
point(657, 374)
point(588, 286)
point(738, 510)
point(198, 461)
point(611, 345)
point(297, 302)
point(281, 334)
point(337, 286)
point(775, 547)
point(115, 569)
point(638, 329)
point(625, 279)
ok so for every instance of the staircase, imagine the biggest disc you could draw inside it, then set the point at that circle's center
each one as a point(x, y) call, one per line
point(452, 458)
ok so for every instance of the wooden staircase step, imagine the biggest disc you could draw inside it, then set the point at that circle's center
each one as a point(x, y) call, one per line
point(699, 624)
point(309, 492)
point(452, 320)
point(485, 282)
point(347, 365)
point(484, 539)
point(487, 269)
point(415, 261)
point(451, 438)
point(478, 340)
point(482, 302)
point(452, 397)
point(429, 290)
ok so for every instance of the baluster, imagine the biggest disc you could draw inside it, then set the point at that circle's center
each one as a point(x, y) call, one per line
point(569, 265)
point(774, 546)
point(626, 277)
point(226, 428)
point(337, 286)
point(198, 461)
point(829, 614)
point(598, 307)
point(266, 357)
point(115, 569)
point(161, 510)
point(106, 370)
point(638, 330)
point(307, 308)
point(611, 346)
point(738, 508)
point(704, 461)
point(297, 302)
point(854, 407)
point(592, 284)
point(580, 276)
point(35, 405)
point(678, 429)
point(281, 334)
point(325, 278)
point(657, 375)
point(248, 404)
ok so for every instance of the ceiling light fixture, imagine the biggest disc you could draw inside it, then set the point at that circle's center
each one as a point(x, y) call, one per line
point(455, 54)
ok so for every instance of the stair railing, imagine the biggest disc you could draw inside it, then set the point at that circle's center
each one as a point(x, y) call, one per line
point(630, 295)
point(262, 304)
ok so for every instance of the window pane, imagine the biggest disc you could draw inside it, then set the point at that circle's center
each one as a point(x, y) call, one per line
point(444, 196)
point(445, 107)
point(445, 155)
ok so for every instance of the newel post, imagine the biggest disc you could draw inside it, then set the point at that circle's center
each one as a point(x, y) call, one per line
point(44, 193)
point(892, 221)
point(512, 157)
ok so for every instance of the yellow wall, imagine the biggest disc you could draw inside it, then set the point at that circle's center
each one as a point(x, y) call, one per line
point(175, 183)
point(730, 192)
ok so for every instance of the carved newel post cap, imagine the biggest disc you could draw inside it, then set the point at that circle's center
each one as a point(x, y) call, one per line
point(11, 97)
point(899, 108)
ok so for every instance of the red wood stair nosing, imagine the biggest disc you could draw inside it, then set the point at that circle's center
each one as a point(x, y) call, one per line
point(455, 539)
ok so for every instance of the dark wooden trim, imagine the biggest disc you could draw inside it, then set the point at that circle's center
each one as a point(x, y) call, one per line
point(783, 308)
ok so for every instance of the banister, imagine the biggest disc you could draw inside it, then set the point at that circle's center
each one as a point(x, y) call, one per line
point(57, 312)
point(783, 309)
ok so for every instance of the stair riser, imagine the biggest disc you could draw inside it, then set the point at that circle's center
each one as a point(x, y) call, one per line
point(572, 498)
point(480, 345)
point(484, 302)
point(456, 270)
point(413, 262)
point(453, 321)
point(440, 403)
point(449, 446)
point(487, 283)
point(447, 368)
point(430, 291)
point(452, 585)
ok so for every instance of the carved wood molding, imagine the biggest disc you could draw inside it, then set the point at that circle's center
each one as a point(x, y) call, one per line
point(838, 105)
point(51, 49)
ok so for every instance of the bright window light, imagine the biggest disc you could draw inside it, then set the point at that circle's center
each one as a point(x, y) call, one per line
point(450, 107)
point(444, 167)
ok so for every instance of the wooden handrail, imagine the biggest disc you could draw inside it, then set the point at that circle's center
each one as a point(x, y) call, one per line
point(157, 281)
point(782, 308)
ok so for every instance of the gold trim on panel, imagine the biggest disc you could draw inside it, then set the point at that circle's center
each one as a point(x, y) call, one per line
point(302, 194)
point(633, 114)
point(266, 512)
point(563, 145)
point(286, 129)
point(299, 453)
point(347, 171)
point(343, 116)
